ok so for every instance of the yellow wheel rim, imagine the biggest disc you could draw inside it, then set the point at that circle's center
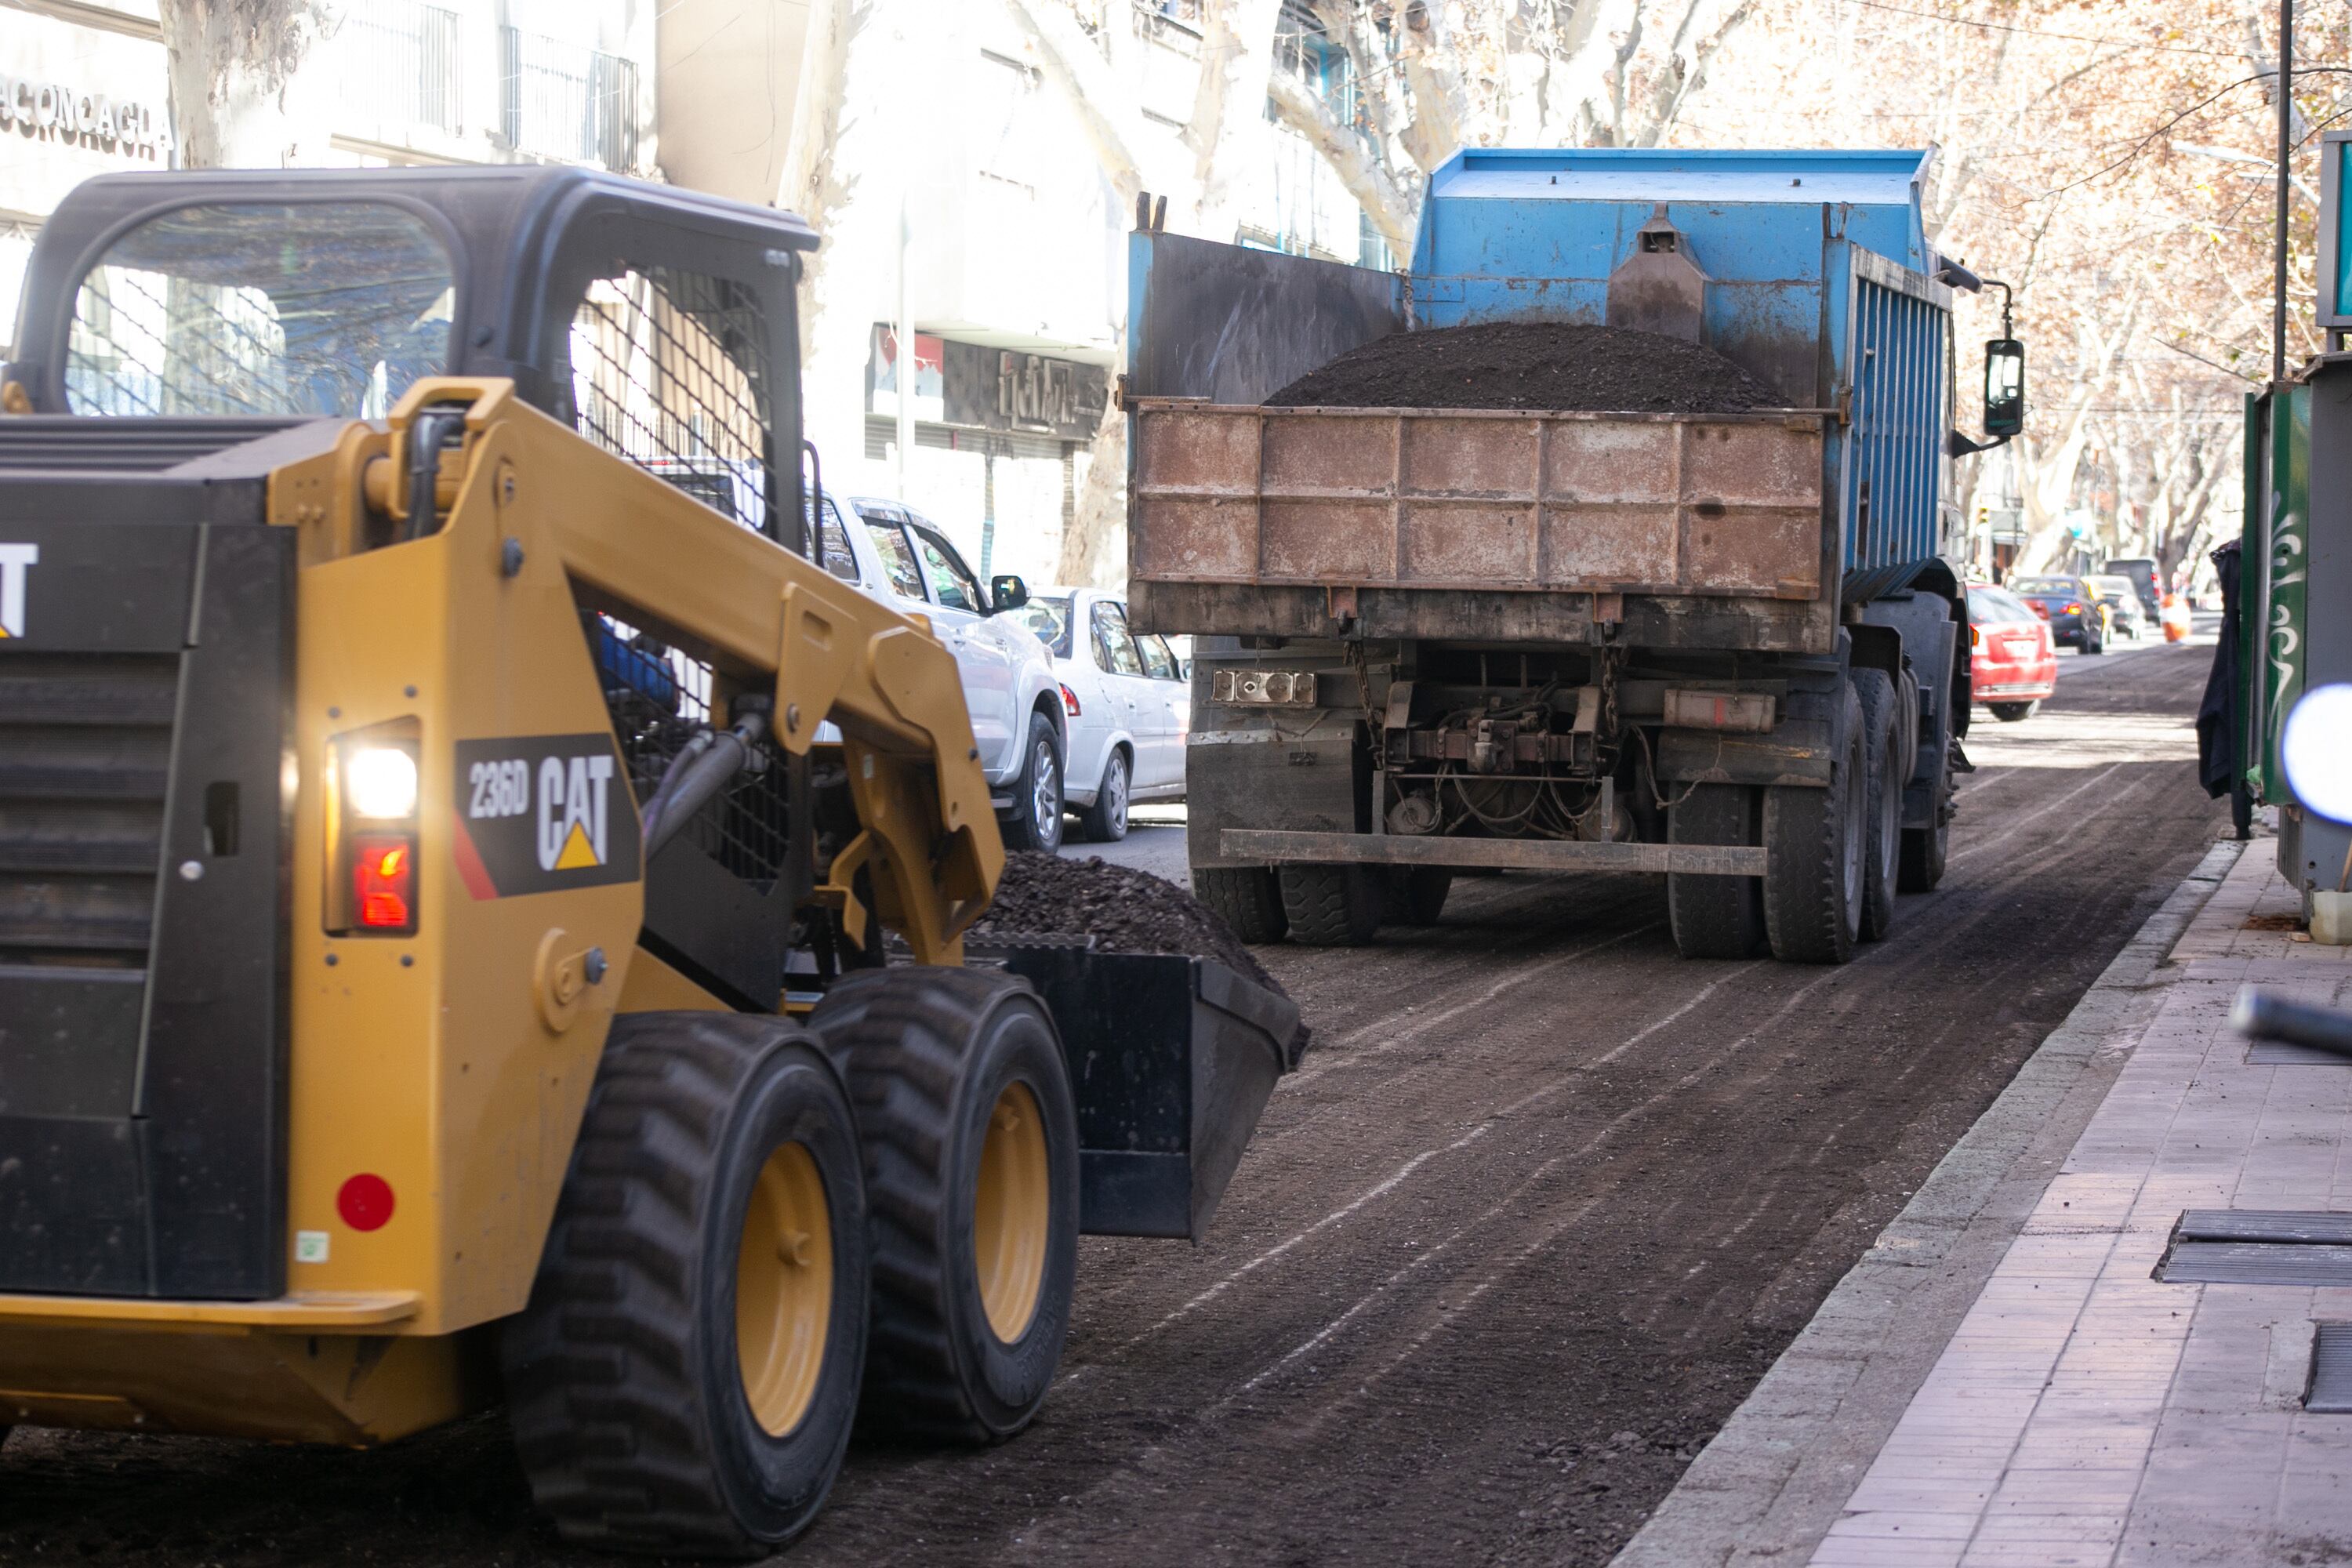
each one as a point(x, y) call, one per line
point(1011, 1212)
point(783, 1289)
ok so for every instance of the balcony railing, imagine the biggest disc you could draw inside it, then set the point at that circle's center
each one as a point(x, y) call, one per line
point(400, 65)
point(566, 100)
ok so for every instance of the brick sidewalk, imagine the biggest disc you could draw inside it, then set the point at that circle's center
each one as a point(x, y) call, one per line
point(2083, 1413)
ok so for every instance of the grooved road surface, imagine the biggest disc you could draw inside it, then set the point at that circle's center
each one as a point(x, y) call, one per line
point(1539, 1208)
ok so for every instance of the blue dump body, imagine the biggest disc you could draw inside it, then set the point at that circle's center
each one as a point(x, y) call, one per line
point(1819, 284)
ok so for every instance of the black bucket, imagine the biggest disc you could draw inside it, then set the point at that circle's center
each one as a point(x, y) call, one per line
point(1171, 1060)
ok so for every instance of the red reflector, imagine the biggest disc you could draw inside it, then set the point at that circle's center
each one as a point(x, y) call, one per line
point(1070, 703)
point(383, 872)
point(365, 1202)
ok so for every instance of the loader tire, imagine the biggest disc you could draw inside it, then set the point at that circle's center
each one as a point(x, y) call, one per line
point(1330, 906)
point(970, 1134)
point(1716, 917)
point(1882, 848)
point(1245, 898)
point(685, 1378)
point(1813, 841)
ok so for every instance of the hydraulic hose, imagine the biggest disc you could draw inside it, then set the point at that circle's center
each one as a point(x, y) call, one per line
point(708, 763)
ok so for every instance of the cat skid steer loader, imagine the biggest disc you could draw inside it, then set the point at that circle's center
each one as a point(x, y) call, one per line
point(480, 907)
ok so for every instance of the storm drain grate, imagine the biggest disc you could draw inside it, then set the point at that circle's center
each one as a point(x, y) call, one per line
point(2258, 1246)
point(2330, 1389)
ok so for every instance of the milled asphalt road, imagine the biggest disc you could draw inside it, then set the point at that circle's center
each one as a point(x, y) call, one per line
point(1540, 1207)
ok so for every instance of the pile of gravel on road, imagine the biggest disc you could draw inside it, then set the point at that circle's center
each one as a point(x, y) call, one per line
point(1531, 365)
point(1124, 909)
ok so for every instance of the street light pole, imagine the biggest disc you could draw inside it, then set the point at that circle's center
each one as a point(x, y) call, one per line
point(2285, 145)
point(906, 355)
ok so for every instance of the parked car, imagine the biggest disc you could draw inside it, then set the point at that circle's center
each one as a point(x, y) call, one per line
point(896, 553)
point(2076, 618)
point(2012, 662)
point(2124, 612)
point(1127, 702)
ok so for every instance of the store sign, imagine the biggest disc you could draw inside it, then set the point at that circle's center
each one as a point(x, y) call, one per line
point(69, 112)
point(989, 389)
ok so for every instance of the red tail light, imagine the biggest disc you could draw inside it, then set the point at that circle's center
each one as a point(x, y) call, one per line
point(2074, 609)
point(1070, 703)
point(383, 880)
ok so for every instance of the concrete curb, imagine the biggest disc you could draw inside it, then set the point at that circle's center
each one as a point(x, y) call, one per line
point(1769, 1487)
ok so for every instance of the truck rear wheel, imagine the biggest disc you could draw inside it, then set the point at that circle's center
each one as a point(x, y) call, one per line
point(970, 1134)
point(1715, 917)
point(1330, 906)
point(1245, 898)
point(685, 1376)
point(1418, 894)
point(1883, 836)
point(1813, 842)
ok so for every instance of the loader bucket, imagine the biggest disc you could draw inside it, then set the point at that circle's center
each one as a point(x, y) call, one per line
point(1171, 1060)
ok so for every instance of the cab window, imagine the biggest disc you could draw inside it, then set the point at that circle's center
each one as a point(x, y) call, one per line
point(897, 560)
point(952, 582)
point(1114, 644)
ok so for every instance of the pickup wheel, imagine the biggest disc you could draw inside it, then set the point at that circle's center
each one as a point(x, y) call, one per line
point(1716, 917)
point(2013, 712)
point(1035, 820)
point(1245, 898)
point(685, 1376)
point(1330, 906)
point(1105, 822)
point(970, 1133)
point(1813, 842)
point(1883, 835)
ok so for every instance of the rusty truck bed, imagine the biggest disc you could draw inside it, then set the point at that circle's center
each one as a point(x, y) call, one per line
point(1283, 521)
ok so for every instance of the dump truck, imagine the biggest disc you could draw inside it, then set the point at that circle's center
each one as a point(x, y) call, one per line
point(481, 911)
point(1729, 647)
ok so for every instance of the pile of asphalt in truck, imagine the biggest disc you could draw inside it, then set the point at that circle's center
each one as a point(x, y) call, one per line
point(1551, 365)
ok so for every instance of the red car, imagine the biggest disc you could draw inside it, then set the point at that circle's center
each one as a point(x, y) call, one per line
point(2012, 662)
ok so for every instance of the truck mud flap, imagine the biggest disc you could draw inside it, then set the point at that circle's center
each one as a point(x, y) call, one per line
point(1171, 1060)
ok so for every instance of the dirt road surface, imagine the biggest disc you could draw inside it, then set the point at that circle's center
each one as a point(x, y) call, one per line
point(1538, 1209)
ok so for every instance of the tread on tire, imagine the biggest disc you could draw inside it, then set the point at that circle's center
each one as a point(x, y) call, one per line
point(1245, 898)
point(1813, 842)
point(624, 1378)
point(1716, 917)
point(1330, 906)
point(928, 1051)
point(1883, 794)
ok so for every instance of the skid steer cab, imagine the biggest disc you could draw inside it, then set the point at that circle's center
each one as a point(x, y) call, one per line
point(440, 961)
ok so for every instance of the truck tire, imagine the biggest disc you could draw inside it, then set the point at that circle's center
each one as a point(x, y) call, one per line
point(1105, 822)
point(1813, 844)
point(1035, 820)
point(1420, 894)
point(1924, 853)
point(1330, 906)
point(1715, 917)
point(1882, 835)
point(1245, 898)
point(971, 1136)
point(685, 1377)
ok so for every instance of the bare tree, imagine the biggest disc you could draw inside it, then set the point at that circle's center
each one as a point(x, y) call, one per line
point(240, 97)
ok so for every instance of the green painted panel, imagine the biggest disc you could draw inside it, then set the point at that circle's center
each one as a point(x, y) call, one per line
point(2284, 618)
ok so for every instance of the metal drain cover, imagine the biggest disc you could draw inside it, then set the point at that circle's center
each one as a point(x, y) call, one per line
point(2330, 1389)
point(2258, 1246)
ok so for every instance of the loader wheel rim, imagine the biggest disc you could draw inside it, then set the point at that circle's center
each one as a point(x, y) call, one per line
point(1011, 1212)
point(783, 1289)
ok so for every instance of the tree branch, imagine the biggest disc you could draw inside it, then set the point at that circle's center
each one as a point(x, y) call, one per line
point(1391, 208)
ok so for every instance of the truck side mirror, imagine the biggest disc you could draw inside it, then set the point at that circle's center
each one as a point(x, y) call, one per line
point(2004, 388)
point(1007, 591)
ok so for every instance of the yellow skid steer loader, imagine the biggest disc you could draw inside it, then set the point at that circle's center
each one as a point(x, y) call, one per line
point(481, 907)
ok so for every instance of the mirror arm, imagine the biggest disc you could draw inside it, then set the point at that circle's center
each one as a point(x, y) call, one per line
point(1959, 445)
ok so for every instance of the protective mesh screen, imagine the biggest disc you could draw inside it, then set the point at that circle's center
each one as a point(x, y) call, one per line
point(670, 370)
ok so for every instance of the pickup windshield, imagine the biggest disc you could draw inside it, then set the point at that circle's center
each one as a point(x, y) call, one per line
point(296, 307)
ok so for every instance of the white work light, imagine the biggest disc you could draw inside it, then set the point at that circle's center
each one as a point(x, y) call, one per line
point(380, 783)
point(2315, 750)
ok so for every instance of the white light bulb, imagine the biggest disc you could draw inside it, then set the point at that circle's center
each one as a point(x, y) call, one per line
point(382, 783)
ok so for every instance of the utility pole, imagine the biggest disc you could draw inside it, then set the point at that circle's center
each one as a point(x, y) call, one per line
point(2285, 146)
point(906, 355)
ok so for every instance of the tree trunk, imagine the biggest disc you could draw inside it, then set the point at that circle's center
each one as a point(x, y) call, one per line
point(240, 99)
point(1094, 547)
